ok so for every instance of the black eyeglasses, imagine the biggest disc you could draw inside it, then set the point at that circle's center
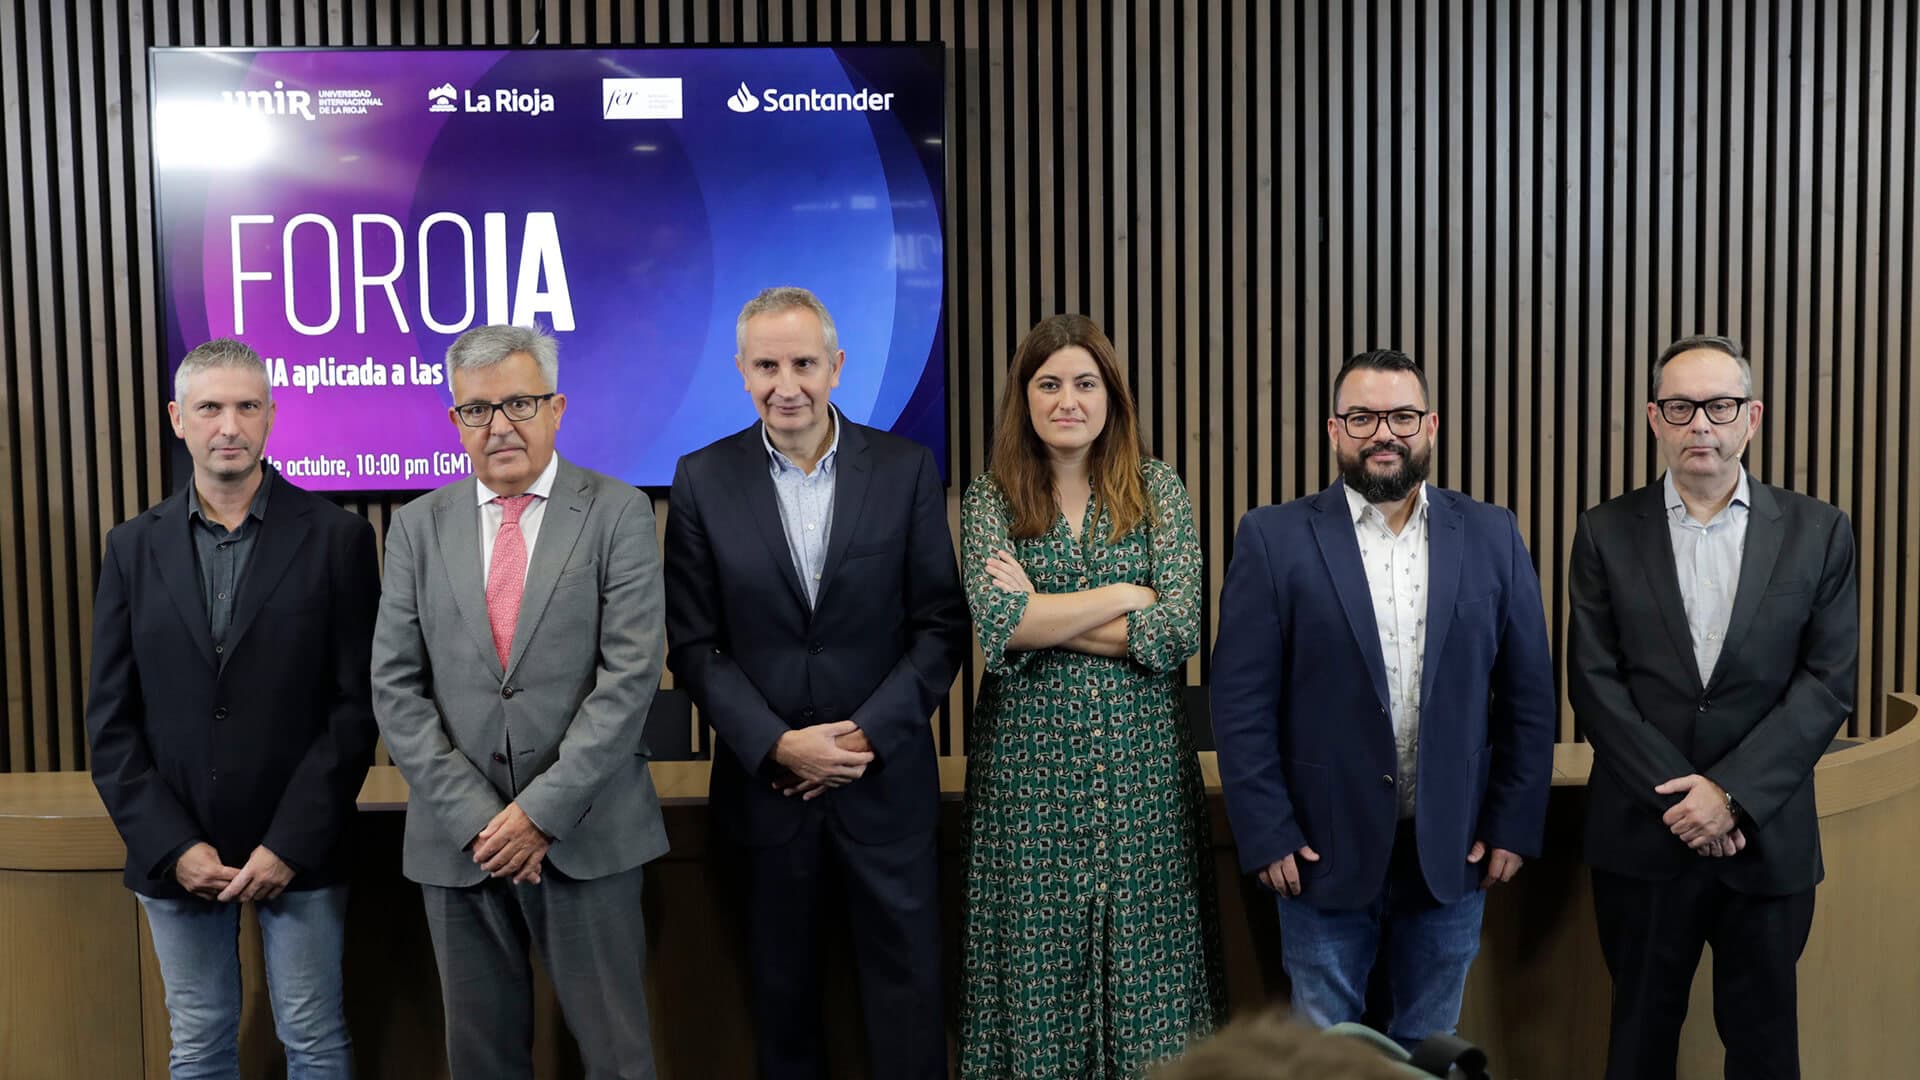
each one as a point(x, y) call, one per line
point(1361, 423)
point(480, 413)
point(1680, 411)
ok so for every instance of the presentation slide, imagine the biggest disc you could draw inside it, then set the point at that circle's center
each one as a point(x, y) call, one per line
point(349, 212)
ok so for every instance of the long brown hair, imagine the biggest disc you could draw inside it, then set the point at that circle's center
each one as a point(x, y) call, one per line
point(1019, 460)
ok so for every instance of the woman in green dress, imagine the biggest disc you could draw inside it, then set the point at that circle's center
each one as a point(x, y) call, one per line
point(1091, 945)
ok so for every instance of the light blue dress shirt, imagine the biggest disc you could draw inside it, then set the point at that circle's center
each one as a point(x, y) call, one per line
point(806, 507)
point(1706, 557)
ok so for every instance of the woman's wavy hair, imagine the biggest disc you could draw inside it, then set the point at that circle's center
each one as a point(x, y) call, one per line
point(1019, 458)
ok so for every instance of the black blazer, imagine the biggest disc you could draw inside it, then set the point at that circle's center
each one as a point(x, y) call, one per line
point(880, 648)
point(1782, 687)
point(271, 748)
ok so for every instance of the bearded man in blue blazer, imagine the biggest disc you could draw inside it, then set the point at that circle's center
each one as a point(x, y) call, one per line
point(1383, 704)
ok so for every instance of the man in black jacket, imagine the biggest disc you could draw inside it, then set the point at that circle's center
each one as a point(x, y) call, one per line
point(1712, 655)
point(231, 722)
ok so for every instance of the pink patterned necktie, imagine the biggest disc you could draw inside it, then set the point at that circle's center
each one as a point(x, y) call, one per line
point(508, 574)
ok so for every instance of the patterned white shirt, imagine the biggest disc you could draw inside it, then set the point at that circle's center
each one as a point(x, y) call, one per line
point(1397, 577)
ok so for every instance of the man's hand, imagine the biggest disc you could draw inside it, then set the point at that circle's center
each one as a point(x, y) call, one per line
point(855, 740)
point(1283, 877)
point(200, 872)
point(1701, 815)
point(815, 758)
point(264, 877)
point(1731, 844)
point(1500, 868)
point(509, 841)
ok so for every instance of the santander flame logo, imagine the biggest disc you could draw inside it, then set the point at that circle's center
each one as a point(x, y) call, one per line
point(743, 100)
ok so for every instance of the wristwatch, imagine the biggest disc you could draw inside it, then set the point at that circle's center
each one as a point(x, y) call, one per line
point(1733, 808)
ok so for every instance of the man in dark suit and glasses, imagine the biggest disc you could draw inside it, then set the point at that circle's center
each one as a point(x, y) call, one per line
point(814, 613)
point(230, 722)
point(1711, 657)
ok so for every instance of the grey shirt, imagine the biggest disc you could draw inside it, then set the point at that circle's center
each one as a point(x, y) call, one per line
point(221, 556)
point(806, 507)
point(1706, 557)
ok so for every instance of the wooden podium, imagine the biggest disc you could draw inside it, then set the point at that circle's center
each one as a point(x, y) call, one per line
point(80, 996)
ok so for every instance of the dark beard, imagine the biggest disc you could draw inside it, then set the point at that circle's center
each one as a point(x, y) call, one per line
point(1390, 487)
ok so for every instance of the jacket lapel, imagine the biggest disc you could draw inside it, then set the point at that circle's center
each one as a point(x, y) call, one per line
point(283, 531)
point(457, 524)
point(1333, 530)
point(561, 522)
point(1656, 558)
point(1764, 537)
point(756, 487)
point(1445, 549)
point(174, 560)
point(852, 473)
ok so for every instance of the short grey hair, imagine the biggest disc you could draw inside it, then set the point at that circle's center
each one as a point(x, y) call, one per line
point(218, 353)
point(783, 298)
point(485, 346)
point(1717, 342)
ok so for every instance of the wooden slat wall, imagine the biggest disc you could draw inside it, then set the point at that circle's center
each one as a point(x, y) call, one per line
point(1530, 197)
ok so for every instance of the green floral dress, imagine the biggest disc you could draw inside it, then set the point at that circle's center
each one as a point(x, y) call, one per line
point(1091, 944)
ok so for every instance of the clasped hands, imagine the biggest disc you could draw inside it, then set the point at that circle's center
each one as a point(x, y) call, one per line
point(813, 759)
point(1700, 819)
point(512, 846)
point(200, 871)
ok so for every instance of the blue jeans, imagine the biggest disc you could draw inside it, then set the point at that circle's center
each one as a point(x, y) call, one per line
point(1427, 947)
point(302, 935)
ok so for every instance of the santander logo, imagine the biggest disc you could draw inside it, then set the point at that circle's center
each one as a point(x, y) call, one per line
point(743, 100)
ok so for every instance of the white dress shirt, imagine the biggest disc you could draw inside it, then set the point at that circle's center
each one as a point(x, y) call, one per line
point(491, 514)
point(1397, 577)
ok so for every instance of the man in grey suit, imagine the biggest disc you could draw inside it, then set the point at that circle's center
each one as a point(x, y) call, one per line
point(518, 648)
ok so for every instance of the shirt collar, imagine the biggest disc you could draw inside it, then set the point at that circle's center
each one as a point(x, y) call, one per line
point(542, 484)
point(782, 462)
point(256, 510)
point(1676, 503)
point(1357, 504)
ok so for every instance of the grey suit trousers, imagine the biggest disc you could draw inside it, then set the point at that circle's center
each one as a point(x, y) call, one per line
point(592, 938)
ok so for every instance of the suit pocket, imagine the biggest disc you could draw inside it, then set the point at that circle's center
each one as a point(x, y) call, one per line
point(574, 575)
point(878, 547)
point(1788, 587)
point(1310, 787)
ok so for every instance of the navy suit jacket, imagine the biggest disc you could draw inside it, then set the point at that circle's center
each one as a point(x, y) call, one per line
point(880, 647)
point(1300, 700)
point(272, 746)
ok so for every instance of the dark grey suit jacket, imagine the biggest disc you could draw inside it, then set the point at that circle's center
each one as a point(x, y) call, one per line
point(1782, 687)
point(560, 731)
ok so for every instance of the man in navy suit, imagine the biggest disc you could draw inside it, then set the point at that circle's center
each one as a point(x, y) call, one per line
point(231, 722)
point(815, 615)
point(1383, 704)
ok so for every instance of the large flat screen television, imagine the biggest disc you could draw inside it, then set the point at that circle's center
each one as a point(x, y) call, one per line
point(349, 212)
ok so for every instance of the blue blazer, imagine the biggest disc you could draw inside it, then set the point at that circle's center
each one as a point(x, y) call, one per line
point(1300, 702)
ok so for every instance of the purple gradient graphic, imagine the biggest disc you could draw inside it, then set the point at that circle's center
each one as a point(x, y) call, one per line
point(350, 221)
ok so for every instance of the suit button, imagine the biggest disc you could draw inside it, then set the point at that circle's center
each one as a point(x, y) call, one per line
point(213, 774)
point(806, 713)
point(1703, 704)
point(1388, 779)
point(506, 691)
point(220, 713)
point(816, 648)
point(499, 758)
